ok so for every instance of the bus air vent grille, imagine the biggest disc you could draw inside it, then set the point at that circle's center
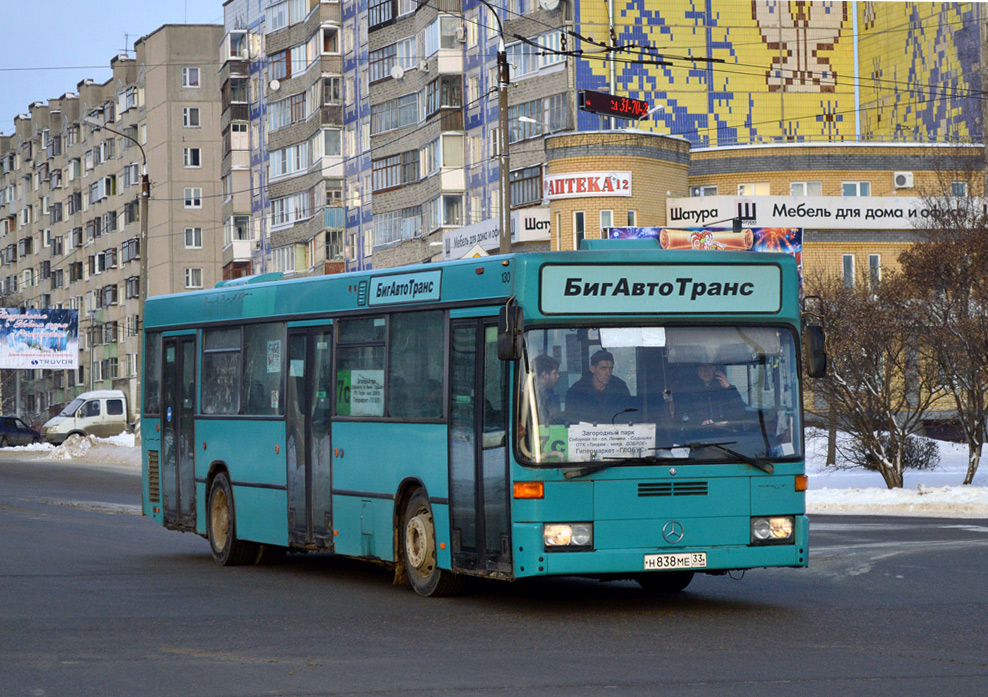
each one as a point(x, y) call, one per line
point(154, 477)
point(363, 290)
point(672, 489)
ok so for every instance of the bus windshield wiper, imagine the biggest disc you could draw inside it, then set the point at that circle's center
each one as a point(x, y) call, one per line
point(719, 445)
point(722, 446)
point(610, 462)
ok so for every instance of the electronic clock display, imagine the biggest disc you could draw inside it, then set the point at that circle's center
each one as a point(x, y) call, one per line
point(612, 105)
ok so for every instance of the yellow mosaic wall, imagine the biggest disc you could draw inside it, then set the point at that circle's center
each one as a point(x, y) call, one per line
point(785, 69)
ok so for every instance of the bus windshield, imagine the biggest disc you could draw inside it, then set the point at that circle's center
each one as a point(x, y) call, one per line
point(634, 394)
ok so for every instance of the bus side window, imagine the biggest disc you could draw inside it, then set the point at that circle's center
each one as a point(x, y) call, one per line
point(220, 392)
point(415, 365)
point(360, 360)
point(263, 360)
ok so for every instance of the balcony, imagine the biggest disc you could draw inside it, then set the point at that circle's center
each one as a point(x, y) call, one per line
point(237, 250)
point(239, 111)
point(334, 217)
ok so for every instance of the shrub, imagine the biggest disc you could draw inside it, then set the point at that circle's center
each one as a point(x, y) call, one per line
point(918, 454)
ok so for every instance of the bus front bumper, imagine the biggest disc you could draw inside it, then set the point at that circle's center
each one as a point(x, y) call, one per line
point(532, 559)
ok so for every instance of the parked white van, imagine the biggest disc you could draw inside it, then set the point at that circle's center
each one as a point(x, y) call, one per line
point(99, 413)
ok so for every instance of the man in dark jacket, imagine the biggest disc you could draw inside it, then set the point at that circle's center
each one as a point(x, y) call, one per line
point(711, 400)
point(599, 396)
point(546, 377)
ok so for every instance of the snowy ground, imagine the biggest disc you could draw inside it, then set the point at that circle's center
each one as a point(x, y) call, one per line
point(936, 493)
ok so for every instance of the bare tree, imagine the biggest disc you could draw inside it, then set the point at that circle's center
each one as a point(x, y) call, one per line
point(948, 274)
point(877, 384)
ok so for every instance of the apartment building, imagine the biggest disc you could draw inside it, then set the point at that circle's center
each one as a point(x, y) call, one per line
point(70, 228)
point(373, 126)
point(412, 87)
point(282, 126)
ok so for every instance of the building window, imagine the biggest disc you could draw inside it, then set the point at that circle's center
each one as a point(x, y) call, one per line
point(332, 90)
point(855, 189)
point(632, 218)
point(191, 157)
point(193, 197)
point(579, 228)
point(193, 278)
point(700, 191)
point(758, 189)
point(380, 12)
point(386, 173)
point(958, 189)
point(193, 238)
point(848, 270)
point(874, 270)
point(526, 186)
point(606, 221)
point(132, 285)
point(805, 189)
point(332, 142)
point(190, 117)
point(190, 77)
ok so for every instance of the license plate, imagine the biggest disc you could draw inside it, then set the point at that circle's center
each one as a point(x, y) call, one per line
point(686, 560)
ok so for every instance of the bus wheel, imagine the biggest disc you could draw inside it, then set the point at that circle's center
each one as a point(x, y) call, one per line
point(419, 537)
point(665, 581)
point(221, 526)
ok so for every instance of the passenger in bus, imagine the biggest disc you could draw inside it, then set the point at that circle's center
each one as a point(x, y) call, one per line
point(710, 399)
point(599, 396)
point(546, 378)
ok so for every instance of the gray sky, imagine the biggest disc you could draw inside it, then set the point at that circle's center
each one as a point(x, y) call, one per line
point(51, 45)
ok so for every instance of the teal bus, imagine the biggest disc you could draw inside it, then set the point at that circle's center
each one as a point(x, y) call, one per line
point(504, 417)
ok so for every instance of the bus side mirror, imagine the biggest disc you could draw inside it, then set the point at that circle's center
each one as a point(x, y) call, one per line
point(816, 351)
point(510, 325)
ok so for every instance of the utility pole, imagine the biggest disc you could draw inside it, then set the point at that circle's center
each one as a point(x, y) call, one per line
point(503, 80)
point(504, 76)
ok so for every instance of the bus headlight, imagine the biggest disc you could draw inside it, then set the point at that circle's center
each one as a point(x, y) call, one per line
point(570, 537)
point(777, 530)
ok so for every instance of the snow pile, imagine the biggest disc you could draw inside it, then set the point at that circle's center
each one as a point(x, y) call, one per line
point(933, 493)
point(118, 450)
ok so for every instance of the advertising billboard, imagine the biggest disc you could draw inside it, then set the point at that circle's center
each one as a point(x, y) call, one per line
point(787, 240)
point(39, 339)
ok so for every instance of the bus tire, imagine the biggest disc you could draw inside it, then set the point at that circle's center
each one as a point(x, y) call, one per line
point(222, 528)
point(419, 551)
point(665, 581)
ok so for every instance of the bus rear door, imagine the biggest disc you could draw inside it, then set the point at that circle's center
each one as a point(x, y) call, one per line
point(178, 475)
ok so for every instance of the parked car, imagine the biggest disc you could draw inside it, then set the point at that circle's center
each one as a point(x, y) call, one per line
point(100, 413)
point(13, 431)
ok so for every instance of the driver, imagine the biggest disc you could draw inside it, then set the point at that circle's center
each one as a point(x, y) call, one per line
point(712, 399)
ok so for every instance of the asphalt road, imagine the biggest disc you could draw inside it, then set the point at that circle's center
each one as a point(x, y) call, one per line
point(96, 600)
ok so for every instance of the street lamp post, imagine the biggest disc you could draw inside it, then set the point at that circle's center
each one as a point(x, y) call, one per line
point(503, 79)
point(97, 125)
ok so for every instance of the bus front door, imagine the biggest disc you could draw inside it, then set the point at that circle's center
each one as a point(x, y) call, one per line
point(178, 475)
point(310, 391)
point(479, 530)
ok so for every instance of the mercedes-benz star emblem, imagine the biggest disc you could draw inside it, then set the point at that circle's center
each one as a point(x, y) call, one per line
point(673, 531)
